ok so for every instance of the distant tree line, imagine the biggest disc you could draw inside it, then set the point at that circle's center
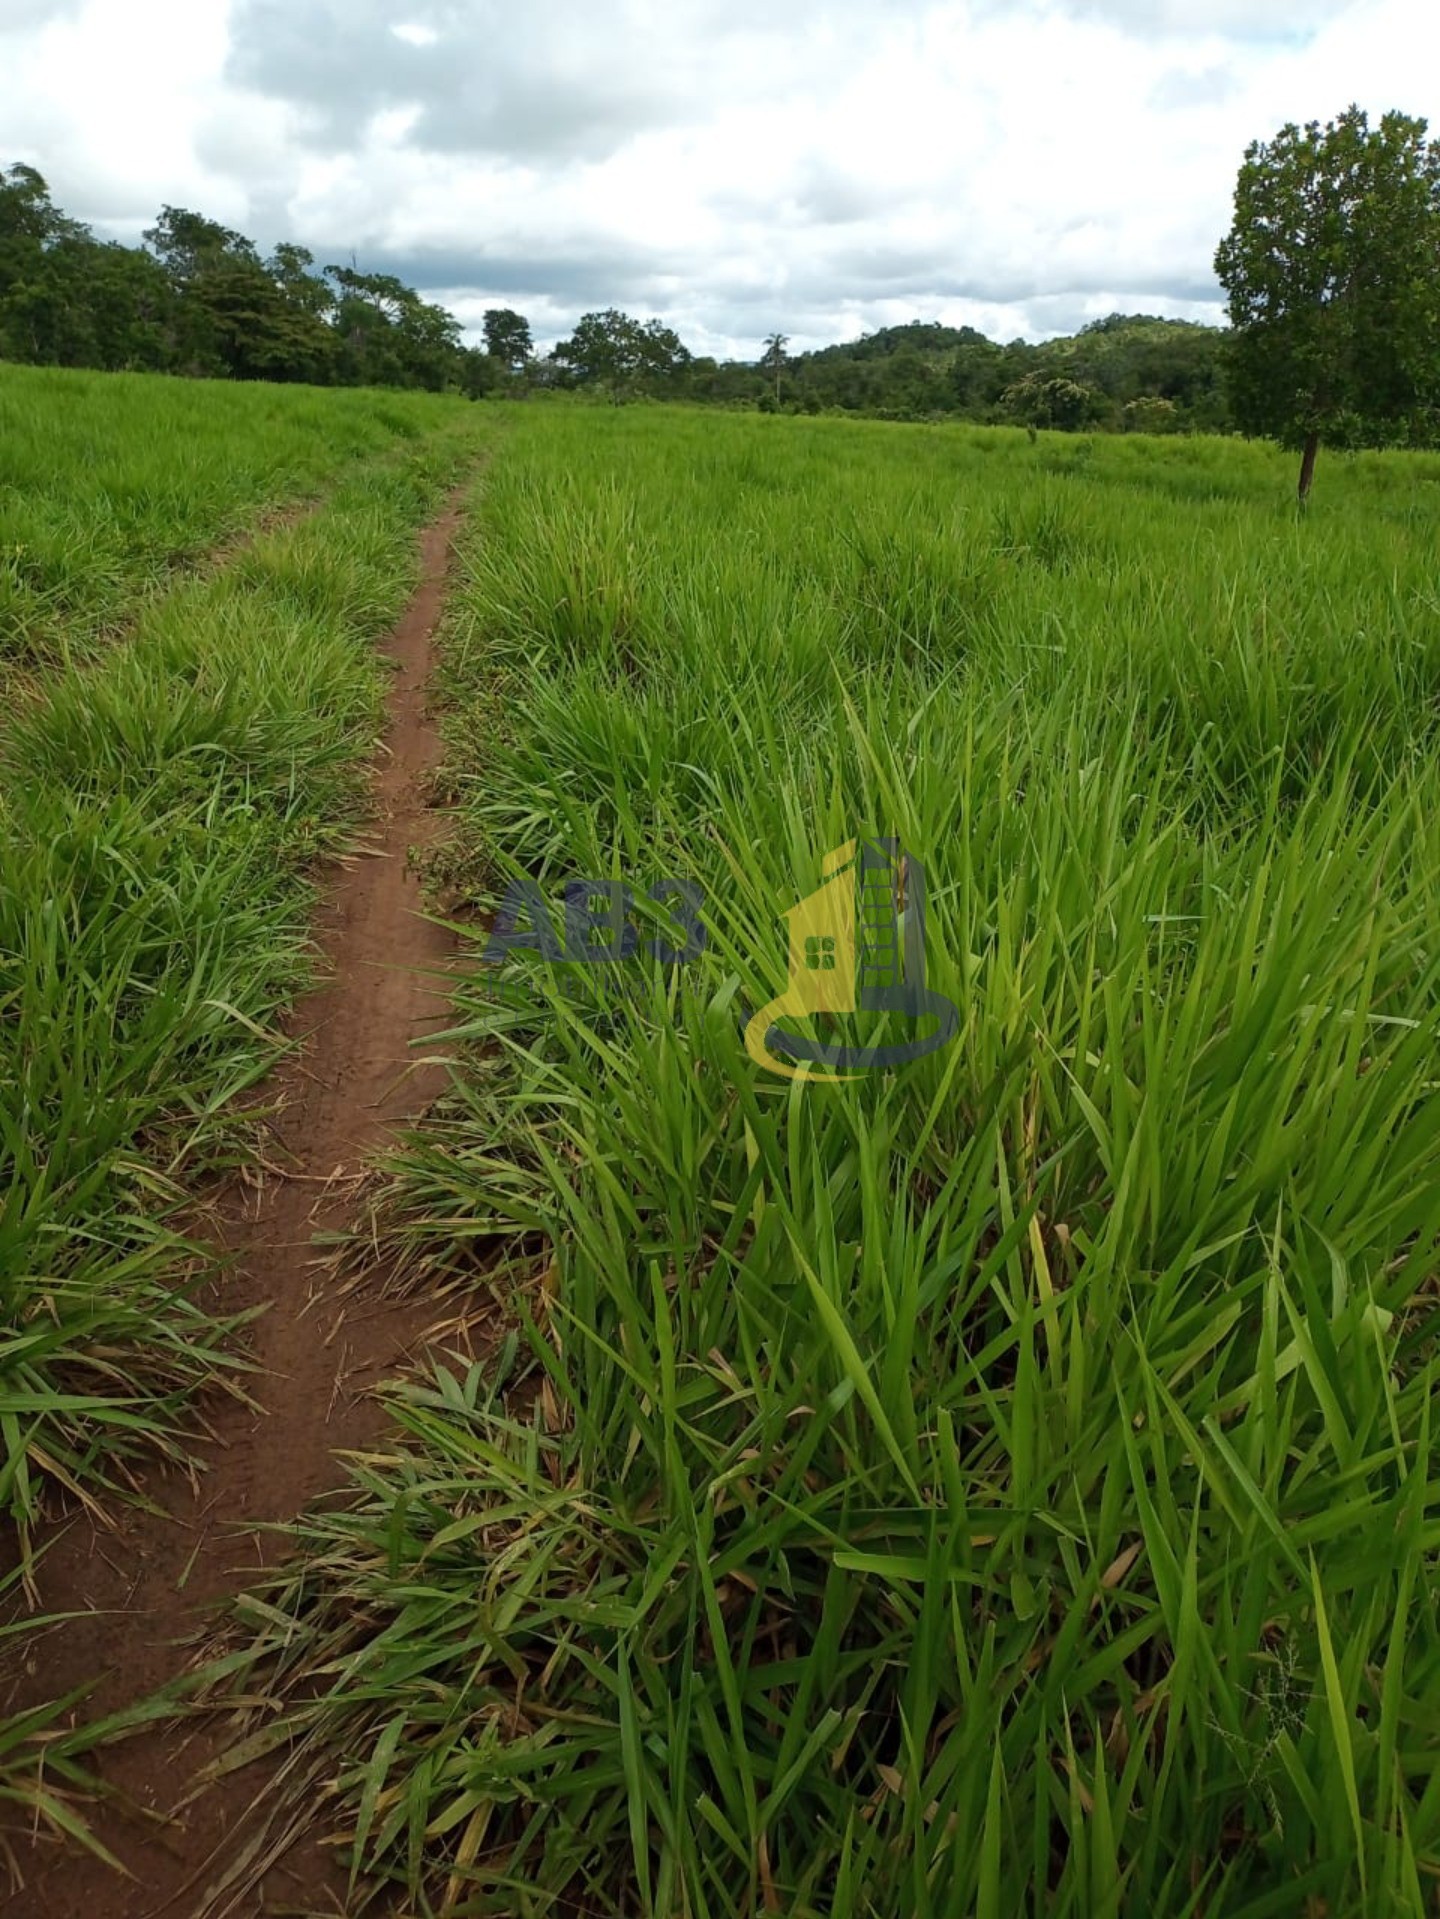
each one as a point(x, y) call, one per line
point(1131, 372)
point(200, 299)
point(1332, 268)
point(1125, 371)
point(1332, 272)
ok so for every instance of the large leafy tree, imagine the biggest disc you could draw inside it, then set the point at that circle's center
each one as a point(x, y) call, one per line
point(1332, 267)
point(220, 303)
point(190, 244)
point(507, 337)
point(623, 355)
point(236, 314)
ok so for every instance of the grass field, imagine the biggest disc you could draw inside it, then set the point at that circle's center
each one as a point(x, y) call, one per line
point(111, 484)
point(164, 805)
point(999, 1484)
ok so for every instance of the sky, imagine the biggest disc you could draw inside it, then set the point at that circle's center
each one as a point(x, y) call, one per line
point(735, 167)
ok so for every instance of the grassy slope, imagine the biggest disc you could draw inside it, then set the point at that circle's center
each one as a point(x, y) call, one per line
point(163, 811)
point(1001, 1485)
point(111, 483)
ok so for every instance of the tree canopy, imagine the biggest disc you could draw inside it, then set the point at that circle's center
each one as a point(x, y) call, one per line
point(621, 355)
point(507, 337)
point(199, 298)
point(1332, 268)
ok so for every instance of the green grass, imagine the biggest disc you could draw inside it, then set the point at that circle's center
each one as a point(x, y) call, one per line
point(996, 1485)
point(111, 484)
point(165, 811)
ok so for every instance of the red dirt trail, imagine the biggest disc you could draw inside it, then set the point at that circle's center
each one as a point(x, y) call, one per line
point(153, 1578)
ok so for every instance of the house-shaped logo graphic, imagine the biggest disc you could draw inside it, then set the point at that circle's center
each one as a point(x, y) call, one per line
point(857, 944)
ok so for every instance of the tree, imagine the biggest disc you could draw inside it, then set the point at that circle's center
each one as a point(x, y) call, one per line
point(389, 336)
point(1150, 415)
point(45, 295)
point(1332, 268)
point(975, 376)
point(1136, 357)
point(289, 267)
point(507, 337)
point(622, 355)
point(114, 307)
point(773, 358)
point(188, 243)
point(28, 216)
point(481, 373)
point(237, 315)
point(198, 298)
point(1037, 402)
point(595, 353)
point(664, 357)
point(216, 274)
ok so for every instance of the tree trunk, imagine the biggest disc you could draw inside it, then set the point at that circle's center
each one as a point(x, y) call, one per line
point(1307, 465)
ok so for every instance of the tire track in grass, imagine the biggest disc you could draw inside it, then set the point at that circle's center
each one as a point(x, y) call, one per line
point(144, 1586)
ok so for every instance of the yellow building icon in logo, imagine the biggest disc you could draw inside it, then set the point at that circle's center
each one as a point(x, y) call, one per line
point(857, 943)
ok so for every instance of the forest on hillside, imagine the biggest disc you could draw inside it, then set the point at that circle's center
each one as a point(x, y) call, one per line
point(1127, 371)
point(200, 299)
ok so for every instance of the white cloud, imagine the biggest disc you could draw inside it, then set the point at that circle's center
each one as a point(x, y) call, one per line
point(735, 166)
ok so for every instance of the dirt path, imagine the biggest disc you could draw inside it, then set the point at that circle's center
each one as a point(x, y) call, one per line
point(147, 1584)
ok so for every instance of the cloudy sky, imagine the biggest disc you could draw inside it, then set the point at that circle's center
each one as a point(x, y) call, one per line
point(735, 166)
